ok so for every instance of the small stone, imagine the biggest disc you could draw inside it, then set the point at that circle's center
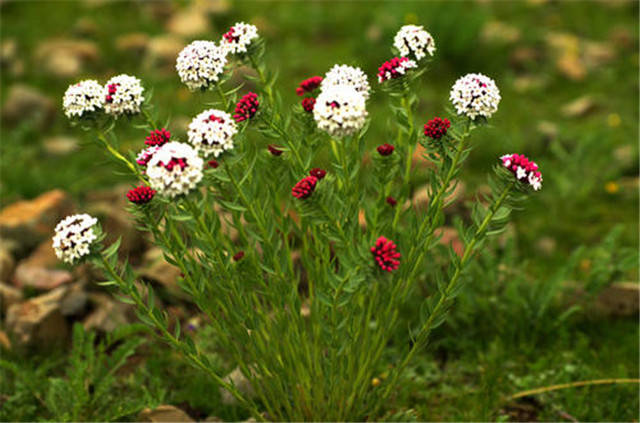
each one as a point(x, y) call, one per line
point(164, 413)
point(625, 156)
point(213, 7)
point(60, 145)
point(75, 302)
point(107, 314)
point(66, 58)
point(135, 43)
point(548, 130)
point(156, 269)
point(500, 33)
point(27, 222)
point(38, 321)
point(422, 196)
point(25, 103)
point(579, 107)
point(598, 54)
point(9, 296)
point(620, 299)
point(524, 84)
point(4, 340)
point(546, 245)
point(40, 278)
point(7, 264)
point(522, 58)
point(450, 238)
point(163, 51)
point(85, 27)
point(242, 384)
point(9, 59)
point(189, 22)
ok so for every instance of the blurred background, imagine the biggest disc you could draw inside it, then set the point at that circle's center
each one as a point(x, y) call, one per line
point(567, 72)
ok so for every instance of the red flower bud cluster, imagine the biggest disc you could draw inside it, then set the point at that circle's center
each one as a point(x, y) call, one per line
point(141, 195)
point(158, 137)
point(246, 107)
point(385, 149)
point(318, 173)
point(304, 188)
point(385, 254)
point(309, 85)
point(437, 128)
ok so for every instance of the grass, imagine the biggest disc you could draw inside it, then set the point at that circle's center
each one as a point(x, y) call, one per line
point(488, 351)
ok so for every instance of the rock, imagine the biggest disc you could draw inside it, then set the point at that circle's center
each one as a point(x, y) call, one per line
point(499, 32)
point(566, 49)
point(75, 302)
point(7, 264)
point(548, 130)
point(546, 245)
point(9, 296)
point(523, 84)
point(419, 160)
point(156, 269)
point(4, 340)
point(188, 23)
point(579, 107)
point(27, 222)
point(450, 238)
point(620, 299)
point(135, 43)
point(85, 27)
point(242, 384)
point(110, 208)
point(60, 145)
point(598, 54)
point(25, 103)
point(40, 278)
point(212, 6)
point(625, 156)
point(524, 57)
point(107, 314)
point(43, 256)
point(9, 60)
point(66, 58)
point(421, 197)
point(38, 321)
point(622, 37)
point(164, 413)
point(162, 52)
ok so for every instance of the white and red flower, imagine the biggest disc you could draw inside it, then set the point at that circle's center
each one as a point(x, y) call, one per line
point(200, 64)
point(83, 98)
point(239, 37)
point(212, 131)
point(123, 95)
point(525, 170)
point(340, 110)
point(174, 169)
point(414, 40)
point(73, 237)
point(395, 68)
point(475, 95)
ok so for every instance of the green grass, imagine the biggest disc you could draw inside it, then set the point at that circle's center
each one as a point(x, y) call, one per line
point(487, 351)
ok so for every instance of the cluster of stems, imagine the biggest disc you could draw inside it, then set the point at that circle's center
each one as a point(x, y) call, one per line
point(305, 313)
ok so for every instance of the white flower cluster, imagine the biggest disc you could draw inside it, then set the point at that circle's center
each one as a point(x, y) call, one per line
point(73, 237)
point(212, 131)
point(475, 95)
point(83, 98)
point(347, 75)
point(200, 64)
point(340, 110)
point(174, 169)
point(413, 39)
point(123, 95)
point(239, 37)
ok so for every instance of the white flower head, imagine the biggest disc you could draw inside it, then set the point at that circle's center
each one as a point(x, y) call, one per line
point(123, 95)
point(212, 131)
point(146, 154)
point(347, 75)
point(73, 237)
point(475, 95)
point(239, 37)
point(200, 64)
point(413, 39)
point(340, 110)
point(174, 169)
point(83, 98)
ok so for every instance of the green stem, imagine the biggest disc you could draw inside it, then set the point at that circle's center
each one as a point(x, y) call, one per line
point(223, 97)
point(444, 297)
point(193, 357)
point(115, 153)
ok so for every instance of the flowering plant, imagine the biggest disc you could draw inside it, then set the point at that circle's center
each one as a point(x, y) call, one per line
point(300, 270)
